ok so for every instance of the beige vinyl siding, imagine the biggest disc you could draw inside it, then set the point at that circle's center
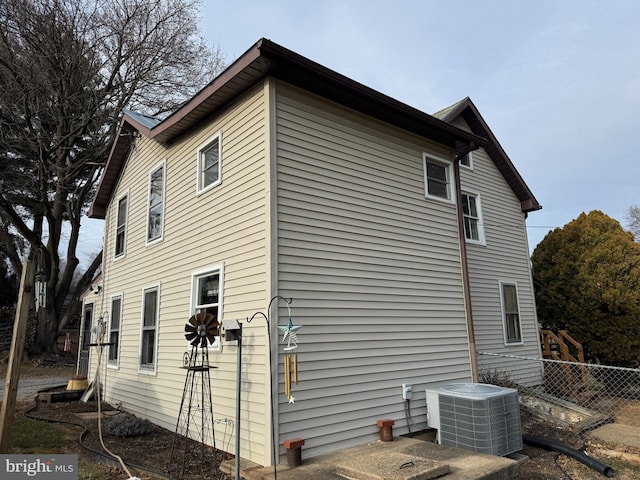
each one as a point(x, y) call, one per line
point(504, 257)
point(373, 268)
point(224, 226)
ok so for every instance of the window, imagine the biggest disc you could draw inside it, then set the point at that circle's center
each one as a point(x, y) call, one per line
point(206, 294)
point(121, 227)
point(467, 160)
point(149, 327)
point(510, 313)
point(86, 326)
point(114, 330)
point(438, 175)
point(471, 212)
point(156, 204)
point(209, 156)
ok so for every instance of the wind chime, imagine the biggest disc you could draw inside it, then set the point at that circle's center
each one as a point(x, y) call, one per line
point(290, 359)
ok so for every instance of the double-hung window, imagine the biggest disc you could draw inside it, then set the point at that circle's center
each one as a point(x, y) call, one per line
point(156, 204)
point(510, 313)
point(206, 287)
point(472, 215)
point(114, 330)
point(209, 163)
point(121, 227)
point(438, 177)
point(149, 328)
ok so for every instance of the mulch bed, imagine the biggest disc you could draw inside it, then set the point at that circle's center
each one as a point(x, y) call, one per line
point(160, 453)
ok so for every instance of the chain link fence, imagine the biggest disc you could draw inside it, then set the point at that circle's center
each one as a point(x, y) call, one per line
point(611, 392)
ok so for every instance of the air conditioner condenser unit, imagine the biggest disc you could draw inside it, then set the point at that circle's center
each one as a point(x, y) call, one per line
point(476, 416)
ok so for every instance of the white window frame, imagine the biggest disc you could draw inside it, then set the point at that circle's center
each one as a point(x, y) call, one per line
point(503, 308)
point(149, 368)
point(479, 219)
point(114, 362)
point(469, 157)
point(448, 166)
point(150, 241)
point(200, 187)
point(86, 333)
point(195, 276)
point(122, 254)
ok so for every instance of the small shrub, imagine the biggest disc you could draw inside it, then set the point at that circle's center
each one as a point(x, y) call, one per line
point(497, 377)
point(126, 425)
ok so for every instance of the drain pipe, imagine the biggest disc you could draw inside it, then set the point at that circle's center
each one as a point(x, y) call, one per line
point(464, 262)
point(571, 452)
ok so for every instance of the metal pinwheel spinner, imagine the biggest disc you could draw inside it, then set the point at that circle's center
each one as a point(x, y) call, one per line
point(201, 330)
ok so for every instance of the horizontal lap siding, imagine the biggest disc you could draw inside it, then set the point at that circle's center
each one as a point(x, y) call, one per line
point(374, 272)
point(504, 257)
point(225, 225)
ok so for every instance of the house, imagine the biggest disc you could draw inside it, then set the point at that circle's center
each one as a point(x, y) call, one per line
point(400, 237)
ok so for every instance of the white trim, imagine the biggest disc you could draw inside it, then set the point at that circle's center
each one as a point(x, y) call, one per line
point(514, 283)
point(470, 166)
point(199, 188)
point(448, 165)
point(163, 165)
point(200, 272)
point(148, 369)
point(110, 363)
point(481, 233)
point(126, 226)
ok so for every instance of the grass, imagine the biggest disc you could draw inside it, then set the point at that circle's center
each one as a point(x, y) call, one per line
point(33, 436)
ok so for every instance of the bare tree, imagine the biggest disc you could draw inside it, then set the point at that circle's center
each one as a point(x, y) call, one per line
point(67, 70)
point(632, 218)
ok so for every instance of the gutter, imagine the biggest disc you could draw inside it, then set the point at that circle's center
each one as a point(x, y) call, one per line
point(463, 260)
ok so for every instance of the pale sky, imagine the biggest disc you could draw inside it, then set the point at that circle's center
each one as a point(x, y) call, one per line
point(558, 81)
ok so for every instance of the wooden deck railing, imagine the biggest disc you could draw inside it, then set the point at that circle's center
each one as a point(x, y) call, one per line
point(556, 346)
point(562, 346)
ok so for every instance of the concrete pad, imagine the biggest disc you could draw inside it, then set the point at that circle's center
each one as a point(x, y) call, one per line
point(391, 466)
point(616, 434)
point(463, 465)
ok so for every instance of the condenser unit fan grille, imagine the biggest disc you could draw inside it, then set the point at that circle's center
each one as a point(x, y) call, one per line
point(478, 417)
point(488, 426)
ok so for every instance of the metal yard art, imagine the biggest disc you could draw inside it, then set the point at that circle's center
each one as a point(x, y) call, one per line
point(290, 359)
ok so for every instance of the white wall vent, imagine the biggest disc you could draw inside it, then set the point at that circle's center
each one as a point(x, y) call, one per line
point(476, 416)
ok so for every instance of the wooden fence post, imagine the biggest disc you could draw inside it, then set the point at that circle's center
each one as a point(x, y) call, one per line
point(25, 300)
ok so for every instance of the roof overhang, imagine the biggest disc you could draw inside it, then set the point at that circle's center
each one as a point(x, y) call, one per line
point(268, 59)
point(470, 113)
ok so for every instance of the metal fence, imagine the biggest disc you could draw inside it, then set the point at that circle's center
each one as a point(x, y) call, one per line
point(596, 393)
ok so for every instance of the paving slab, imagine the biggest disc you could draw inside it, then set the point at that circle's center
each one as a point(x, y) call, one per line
point(391, 466)
point(615, 433)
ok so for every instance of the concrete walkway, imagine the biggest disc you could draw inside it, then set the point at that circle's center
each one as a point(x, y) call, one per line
point(402, 459)
point(28, 387)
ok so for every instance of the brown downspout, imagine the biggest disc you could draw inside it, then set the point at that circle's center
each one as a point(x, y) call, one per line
point(465, 266)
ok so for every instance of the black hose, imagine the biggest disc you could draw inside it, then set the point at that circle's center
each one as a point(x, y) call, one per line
point(571, 452)
point(100, 457)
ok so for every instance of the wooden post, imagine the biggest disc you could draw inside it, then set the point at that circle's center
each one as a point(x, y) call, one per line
point(25, 300)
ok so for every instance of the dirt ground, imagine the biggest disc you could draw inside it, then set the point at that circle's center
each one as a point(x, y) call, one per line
point(158, 454)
